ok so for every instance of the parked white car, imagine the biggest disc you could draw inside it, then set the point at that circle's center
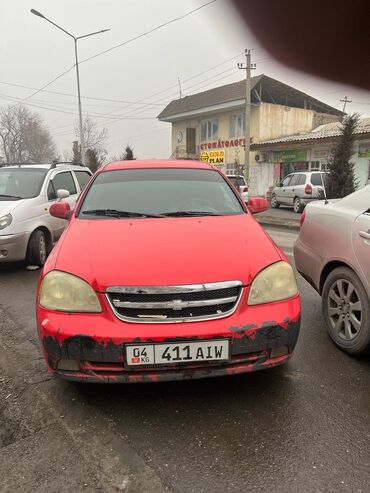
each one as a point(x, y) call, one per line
point(240, 184)
point(27, 230)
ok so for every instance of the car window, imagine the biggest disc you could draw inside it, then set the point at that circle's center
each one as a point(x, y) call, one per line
point(302, 179)
point(317, 179)
point(237, 181)
point(64, 181)
point(52, 195)
point(286, 181)
point(21, 183)
point(82, 177)
point(161, 191)
point(294, 180)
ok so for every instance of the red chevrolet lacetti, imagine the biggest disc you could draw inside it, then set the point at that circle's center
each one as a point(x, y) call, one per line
point(162, 274)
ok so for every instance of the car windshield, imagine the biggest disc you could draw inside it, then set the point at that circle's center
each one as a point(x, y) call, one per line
point(20, 183)
point(237, 181)
point(159, 193)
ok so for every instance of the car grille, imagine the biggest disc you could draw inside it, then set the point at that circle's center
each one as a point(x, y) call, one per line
point(168, 304)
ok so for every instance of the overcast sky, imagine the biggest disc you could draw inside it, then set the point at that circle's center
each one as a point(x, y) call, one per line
point(143, 72)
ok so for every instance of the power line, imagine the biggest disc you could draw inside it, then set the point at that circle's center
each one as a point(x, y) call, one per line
point(160, 103)
point(146, 33)
point(72, 95)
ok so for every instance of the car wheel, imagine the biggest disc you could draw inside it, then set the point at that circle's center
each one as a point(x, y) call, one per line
point(37, 249)
point(297, 205)
point(346, 308)
point(274, 203)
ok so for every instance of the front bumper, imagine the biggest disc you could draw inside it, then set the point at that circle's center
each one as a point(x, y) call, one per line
point(13, 247)
point(97, 343)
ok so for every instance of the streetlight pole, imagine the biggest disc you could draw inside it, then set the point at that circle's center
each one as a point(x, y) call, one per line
point(75, 39)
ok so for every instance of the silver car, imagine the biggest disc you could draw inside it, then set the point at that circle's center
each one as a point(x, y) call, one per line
point(298, 189)
point(333, 254)
point(240, 184)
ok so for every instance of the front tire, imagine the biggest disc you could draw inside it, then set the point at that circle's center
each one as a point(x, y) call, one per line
point(346, 309)
point(37, 249)
point(274, 203)
point(297, 205)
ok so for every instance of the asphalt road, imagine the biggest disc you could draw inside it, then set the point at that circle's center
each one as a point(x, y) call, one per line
point(304, 427)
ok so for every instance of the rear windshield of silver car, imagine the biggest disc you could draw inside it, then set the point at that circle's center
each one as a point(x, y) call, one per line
point(21, 183)
point(237, 181)
point(160, 191)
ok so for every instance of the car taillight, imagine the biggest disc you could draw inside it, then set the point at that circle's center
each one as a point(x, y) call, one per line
point(308, 189)
point(303, 217)
point(245, 189)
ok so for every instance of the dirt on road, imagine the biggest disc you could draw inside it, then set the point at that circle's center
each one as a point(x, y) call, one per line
point(50, 440)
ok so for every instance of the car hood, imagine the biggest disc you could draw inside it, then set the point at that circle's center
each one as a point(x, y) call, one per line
point(8, 206)
point(170, 251)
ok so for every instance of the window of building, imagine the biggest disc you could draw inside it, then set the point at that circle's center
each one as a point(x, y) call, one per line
point(209, 130)
point(237, 125)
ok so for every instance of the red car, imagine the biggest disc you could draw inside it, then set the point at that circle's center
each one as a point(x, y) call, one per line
point(162, 274)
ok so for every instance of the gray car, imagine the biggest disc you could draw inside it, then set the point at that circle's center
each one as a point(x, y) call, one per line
point(333, 254)
point(298, 189)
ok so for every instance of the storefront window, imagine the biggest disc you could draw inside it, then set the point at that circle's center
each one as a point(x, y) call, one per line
point(209, 130)
point(287, 168)
point(237, 125)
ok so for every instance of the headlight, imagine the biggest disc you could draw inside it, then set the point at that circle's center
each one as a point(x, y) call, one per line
point(275, 283)
point(5, 221)
point(65, 292)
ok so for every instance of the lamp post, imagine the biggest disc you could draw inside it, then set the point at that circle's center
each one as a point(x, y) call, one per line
point(75, 39)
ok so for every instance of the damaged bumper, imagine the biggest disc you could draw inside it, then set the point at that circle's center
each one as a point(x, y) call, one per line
point(92, 348)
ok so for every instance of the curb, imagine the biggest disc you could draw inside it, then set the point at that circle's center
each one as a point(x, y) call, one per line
point(278, 223)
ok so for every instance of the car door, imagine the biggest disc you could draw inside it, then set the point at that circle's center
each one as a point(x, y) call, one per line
point(290, 189)
point(361, 243)
point(281, 191)
point(63, 180)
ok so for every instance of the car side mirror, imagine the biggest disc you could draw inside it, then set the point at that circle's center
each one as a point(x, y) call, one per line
point(61, 210)
point(257, 205)
point(62, 194)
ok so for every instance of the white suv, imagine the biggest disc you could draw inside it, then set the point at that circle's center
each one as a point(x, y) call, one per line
point(27, 230)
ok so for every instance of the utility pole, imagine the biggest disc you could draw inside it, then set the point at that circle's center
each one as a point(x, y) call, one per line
point(345, 101)
point(178, 78)
point(248, 66)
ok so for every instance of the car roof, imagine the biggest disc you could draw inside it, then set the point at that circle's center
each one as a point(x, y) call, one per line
point(157, 163)
point(75, 167)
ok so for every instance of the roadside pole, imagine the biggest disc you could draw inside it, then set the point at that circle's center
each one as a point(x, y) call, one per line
point(248, 66)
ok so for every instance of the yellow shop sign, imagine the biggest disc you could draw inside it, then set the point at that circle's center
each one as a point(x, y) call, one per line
point(213, 157)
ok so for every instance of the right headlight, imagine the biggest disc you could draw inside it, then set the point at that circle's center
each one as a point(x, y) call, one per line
point(5, 221)
point(274, 283)
point(67, 293)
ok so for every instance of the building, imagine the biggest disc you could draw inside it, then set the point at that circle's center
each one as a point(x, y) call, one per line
point(275, 158)
point(211, 125)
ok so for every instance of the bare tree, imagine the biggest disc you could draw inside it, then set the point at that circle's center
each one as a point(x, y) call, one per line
point(95, 139)
point(23, 136)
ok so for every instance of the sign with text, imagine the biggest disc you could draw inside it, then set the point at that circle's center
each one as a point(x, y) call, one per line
point(213, 157)
point(290, 156)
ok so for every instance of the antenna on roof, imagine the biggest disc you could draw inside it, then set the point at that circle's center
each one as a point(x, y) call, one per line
point(178, 78)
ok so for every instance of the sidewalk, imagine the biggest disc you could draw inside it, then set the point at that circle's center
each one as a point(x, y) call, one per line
point(283, 217)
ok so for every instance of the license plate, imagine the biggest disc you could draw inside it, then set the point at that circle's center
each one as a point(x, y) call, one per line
point(172, 353)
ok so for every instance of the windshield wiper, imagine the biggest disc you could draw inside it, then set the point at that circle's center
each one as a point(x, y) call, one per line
point(189, 213)
point(118, 213)
point(16, 197)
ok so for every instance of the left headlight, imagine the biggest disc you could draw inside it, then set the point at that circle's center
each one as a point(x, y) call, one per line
point(275, 283)
point(5, 221)
point(64, 292)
